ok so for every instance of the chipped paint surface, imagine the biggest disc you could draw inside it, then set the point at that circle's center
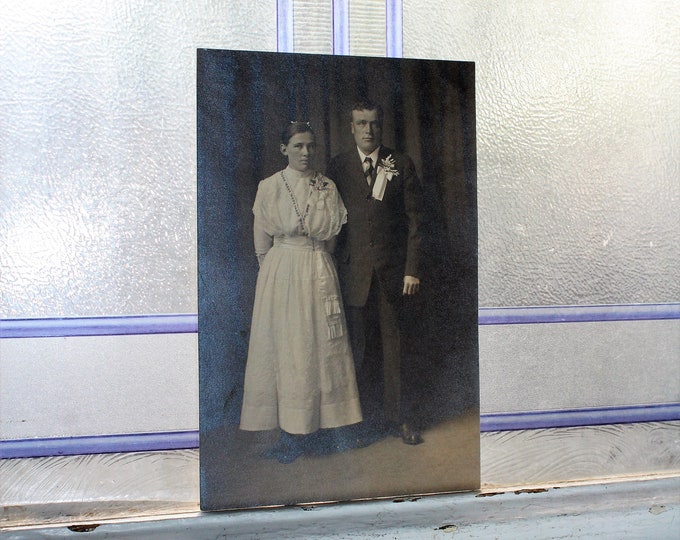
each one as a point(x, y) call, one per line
point(634, 509)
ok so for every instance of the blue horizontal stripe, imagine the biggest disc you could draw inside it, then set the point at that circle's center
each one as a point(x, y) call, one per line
point(178, 440)
point(99, 326)
point(580, 417)
point(98, 444)
point(188, 323)
point(561, 314)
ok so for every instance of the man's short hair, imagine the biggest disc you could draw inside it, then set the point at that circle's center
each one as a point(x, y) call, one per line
point(366, 104)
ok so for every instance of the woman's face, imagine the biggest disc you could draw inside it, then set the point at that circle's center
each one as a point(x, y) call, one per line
point(299, 151)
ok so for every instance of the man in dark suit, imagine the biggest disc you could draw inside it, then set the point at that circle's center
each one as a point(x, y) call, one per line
point(378, 256)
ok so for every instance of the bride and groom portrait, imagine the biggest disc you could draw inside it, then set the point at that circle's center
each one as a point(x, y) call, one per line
point(337, 278)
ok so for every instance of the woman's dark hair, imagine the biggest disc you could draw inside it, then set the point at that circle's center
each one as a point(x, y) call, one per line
point(293, 128)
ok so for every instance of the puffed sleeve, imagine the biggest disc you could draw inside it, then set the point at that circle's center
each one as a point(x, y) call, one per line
point(263, 234)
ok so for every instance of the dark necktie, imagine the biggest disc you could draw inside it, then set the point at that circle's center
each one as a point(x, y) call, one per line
point(369, 171)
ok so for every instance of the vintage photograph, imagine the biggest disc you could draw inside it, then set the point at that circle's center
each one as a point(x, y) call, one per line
point(337, 268)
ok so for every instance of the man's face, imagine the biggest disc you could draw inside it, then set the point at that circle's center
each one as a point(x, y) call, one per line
point(367, 130)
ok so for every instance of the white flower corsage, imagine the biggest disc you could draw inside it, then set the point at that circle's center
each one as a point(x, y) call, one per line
point(318, 183)
point(386, 170)
point(389, 167)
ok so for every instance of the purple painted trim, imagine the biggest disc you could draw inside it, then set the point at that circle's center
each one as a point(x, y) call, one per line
point(394, 28)
point(99, 326)
point(580, 417)
point(188, 323)
point(98, 444)
point(560, 314)
point(341, 27)
point(179, 440)
point(284, 26)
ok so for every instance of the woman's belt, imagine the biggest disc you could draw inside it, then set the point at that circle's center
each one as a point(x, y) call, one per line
point(304, 243)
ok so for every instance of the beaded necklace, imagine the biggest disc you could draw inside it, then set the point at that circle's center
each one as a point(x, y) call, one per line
point(301, 216)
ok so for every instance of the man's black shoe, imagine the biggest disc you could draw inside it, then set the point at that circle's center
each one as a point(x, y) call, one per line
point(409, 434)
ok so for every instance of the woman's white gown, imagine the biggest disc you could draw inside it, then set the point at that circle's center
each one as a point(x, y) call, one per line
point(300, 372)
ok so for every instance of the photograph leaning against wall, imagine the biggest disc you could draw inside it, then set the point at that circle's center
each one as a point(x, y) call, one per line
point(337, 270)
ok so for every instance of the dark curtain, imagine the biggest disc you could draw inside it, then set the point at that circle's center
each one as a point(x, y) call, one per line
point(243, 100)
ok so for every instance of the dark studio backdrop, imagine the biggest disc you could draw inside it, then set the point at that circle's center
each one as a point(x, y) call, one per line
point(243, 101)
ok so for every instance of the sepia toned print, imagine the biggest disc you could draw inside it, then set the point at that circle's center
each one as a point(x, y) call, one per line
point(337, 278)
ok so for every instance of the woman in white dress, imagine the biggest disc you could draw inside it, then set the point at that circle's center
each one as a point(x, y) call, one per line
point(300, 372)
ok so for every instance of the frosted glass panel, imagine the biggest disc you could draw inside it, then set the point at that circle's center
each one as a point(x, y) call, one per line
point(98, 166)
point(312, 27)
point(367, 28)
point(578, 130)
point(80, 386)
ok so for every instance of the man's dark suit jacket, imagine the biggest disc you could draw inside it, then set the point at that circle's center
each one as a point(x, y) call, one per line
point(381, 236)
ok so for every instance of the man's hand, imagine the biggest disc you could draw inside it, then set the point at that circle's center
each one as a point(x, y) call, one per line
point(411, 285)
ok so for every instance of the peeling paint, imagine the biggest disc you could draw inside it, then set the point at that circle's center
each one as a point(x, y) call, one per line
point(82, 528)
point(490, 494)
point(533, 490)
point(657, 509)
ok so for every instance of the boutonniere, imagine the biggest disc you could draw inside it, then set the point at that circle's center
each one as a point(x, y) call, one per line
point(389, 167)
point(318, 183)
